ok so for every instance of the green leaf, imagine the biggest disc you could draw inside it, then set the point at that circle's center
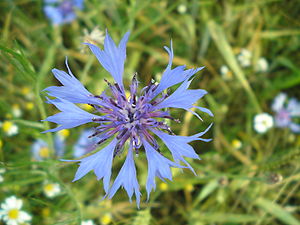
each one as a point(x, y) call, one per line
point(222, 218)
point(206, 191)
point(20, 62)
point(277, 211)
point(143, 217)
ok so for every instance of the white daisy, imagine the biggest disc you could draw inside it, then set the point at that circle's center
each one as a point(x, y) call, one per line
point(236, 144)
point(181, 8)
point(11, 213)
point(51, 189)
point(226, 73)
point(261, 65)
point(96, 36)
point(16, 111)
point(87, 222)
point(244, 57)
point(9, 128)
point(263, 122)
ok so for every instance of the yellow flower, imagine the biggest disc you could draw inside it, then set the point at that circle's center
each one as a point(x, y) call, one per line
point(16, 111)
point(106, 219)
point(51, 189)
point(44, 152)
point(29, 105)
point(64, 133)
point(236, 144)
point(9, 128)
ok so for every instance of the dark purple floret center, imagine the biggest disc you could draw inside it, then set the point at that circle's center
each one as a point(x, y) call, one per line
point(66, 7)
point(130, 118)
point(283, 118)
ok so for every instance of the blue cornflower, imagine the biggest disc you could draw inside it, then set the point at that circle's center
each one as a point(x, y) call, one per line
point(62, 11)
point(85, 143)
point(285, 111)
point(134, 119)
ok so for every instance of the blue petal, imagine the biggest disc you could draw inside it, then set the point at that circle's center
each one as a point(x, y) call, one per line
point(70, 115)
point(78, 4)
point(205, 110)
point(54, 14)
point(100, 162)
point(127, 179)
point(84, 144)
point(50, 1)
point(59, 145)
point(182, 97)
point(174, 76)
point(295, 128)
point(69, 17)
point(112, 58)
point(293, 107)
point(278, 102)
point(158, 166)
point(179, 147)
point(72, 90)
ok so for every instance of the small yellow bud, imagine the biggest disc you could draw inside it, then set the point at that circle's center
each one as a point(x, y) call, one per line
point(29, 105)
point(106, 219)
point(189, 187)
point(163, 186)
point(236, 144)
point(64, 133)
point(25, 90)
point(45, 212)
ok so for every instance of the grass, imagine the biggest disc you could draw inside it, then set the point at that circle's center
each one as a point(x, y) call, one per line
point(256, 184)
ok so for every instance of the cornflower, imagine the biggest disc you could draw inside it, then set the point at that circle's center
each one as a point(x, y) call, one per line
point(134, 119)
point(286, 111)
point(62, 11)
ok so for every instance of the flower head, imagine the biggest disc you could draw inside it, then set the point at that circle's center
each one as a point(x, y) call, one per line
point(96, 36)
point(62, 11)
point(106, 219)
point(236, 144)
point(9, 128)
point(263, 122)
point(226, 73)
point(261, 65)
point(11, 211)
point(16, 111)
point(87, 222)
point(85, 143)
point(244, 57)
point(285, 111)
point(40, 149)
point(182, 8)
point(134, 119)
point(51, 189)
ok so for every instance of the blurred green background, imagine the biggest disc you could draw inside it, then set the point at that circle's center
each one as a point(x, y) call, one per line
point(243, 178)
